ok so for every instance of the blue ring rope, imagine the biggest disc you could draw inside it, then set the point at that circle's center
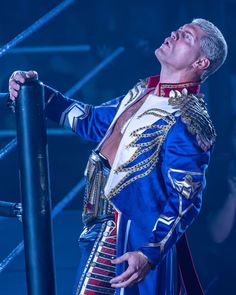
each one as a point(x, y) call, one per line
point(35, 26)
point(8, 148)
point(56, 210)
point(95, 71)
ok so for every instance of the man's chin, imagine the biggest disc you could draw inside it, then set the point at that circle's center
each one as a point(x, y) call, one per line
point(158, 53)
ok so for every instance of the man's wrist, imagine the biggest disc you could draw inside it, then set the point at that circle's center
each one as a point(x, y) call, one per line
point(152, 265)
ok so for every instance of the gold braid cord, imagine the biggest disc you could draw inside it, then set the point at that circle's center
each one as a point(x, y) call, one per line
point(194, 114)
point(155, 139)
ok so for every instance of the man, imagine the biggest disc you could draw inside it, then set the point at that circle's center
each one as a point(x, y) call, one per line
point(146, 176)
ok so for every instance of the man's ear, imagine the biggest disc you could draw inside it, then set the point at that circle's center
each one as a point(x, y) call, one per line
point(202, 63)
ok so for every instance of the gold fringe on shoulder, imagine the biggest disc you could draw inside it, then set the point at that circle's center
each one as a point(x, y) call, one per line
point(194, 114)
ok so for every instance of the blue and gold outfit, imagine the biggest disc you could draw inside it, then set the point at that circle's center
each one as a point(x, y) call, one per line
point(156, 180)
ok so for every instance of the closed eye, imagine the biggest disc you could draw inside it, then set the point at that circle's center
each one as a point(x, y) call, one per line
point(188, 36)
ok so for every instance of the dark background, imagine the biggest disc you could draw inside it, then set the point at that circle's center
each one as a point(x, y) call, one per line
point(140, 27)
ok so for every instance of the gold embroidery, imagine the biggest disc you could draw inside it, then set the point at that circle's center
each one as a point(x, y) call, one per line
point(157, 141)
point(150, 162)
point(162, 243)
point(157, 113)
point(119, 187)
point(184, 172)
point(186, 186)
point(151, 134)
point(194, 114)
point(135, 91)
point(144, 84)
point(175, 86)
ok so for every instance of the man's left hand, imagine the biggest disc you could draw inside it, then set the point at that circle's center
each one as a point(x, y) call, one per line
point(138, 268)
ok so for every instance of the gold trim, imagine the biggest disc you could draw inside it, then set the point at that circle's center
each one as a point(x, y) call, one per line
point(175, 86)
point(181, 195)
point(118, 188)
point(162, 243)
point(148, 260)
point(194, 115)
point(107, 227)
point(185, 171)
point(87, 266)
point(150, 162)
point(134, 92)
point(188, 187)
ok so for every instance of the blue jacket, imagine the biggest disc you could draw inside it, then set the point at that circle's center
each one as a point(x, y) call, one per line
point(158, 175)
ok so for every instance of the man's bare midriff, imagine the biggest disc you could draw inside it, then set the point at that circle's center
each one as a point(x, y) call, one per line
point(111, 144)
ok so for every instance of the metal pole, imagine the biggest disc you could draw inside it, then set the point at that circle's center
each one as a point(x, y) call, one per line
point(35, 191)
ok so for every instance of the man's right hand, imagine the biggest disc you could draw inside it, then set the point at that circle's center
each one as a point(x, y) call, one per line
point(18, 78)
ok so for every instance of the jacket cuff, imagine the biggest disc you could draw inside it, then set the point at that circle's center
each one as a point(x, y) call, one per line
point(55, 103)
point(153, 266)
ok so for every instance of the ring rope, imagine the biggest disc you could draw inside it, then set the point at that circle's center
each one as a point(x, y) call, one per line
point(56, 210)
point(35, 26)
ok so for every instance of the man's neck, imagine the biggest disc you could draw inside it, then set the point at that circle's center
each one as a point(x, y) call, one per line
point(177, 77)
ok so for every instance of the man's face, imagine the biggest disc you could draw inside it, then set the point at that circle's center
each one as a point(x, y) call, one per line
point(182, 48)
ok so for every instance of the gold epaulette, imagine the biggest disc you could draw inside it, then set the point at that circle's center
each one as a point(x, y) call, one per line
point(194, 114)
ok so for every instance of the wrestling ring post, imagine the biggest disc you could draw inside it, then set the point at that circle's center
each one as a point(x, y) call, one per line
point(77, 188)
point(35, 189)
point(9, 209)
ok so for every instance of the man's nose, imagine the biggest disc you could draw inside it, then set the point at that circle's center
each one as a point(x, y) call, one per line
point(175, 35)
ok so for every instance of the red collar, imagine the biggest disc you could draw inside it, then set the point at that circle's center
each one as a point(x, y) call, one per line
point(165, 88)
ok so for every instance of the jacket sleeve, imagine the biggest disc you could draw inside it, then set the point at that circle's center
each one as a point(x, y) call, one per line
point(183, 173)
point(90, 122)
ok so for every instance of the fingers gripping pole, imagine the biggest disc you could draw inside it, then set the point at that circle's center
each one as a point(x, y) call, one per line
point(35, 191)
